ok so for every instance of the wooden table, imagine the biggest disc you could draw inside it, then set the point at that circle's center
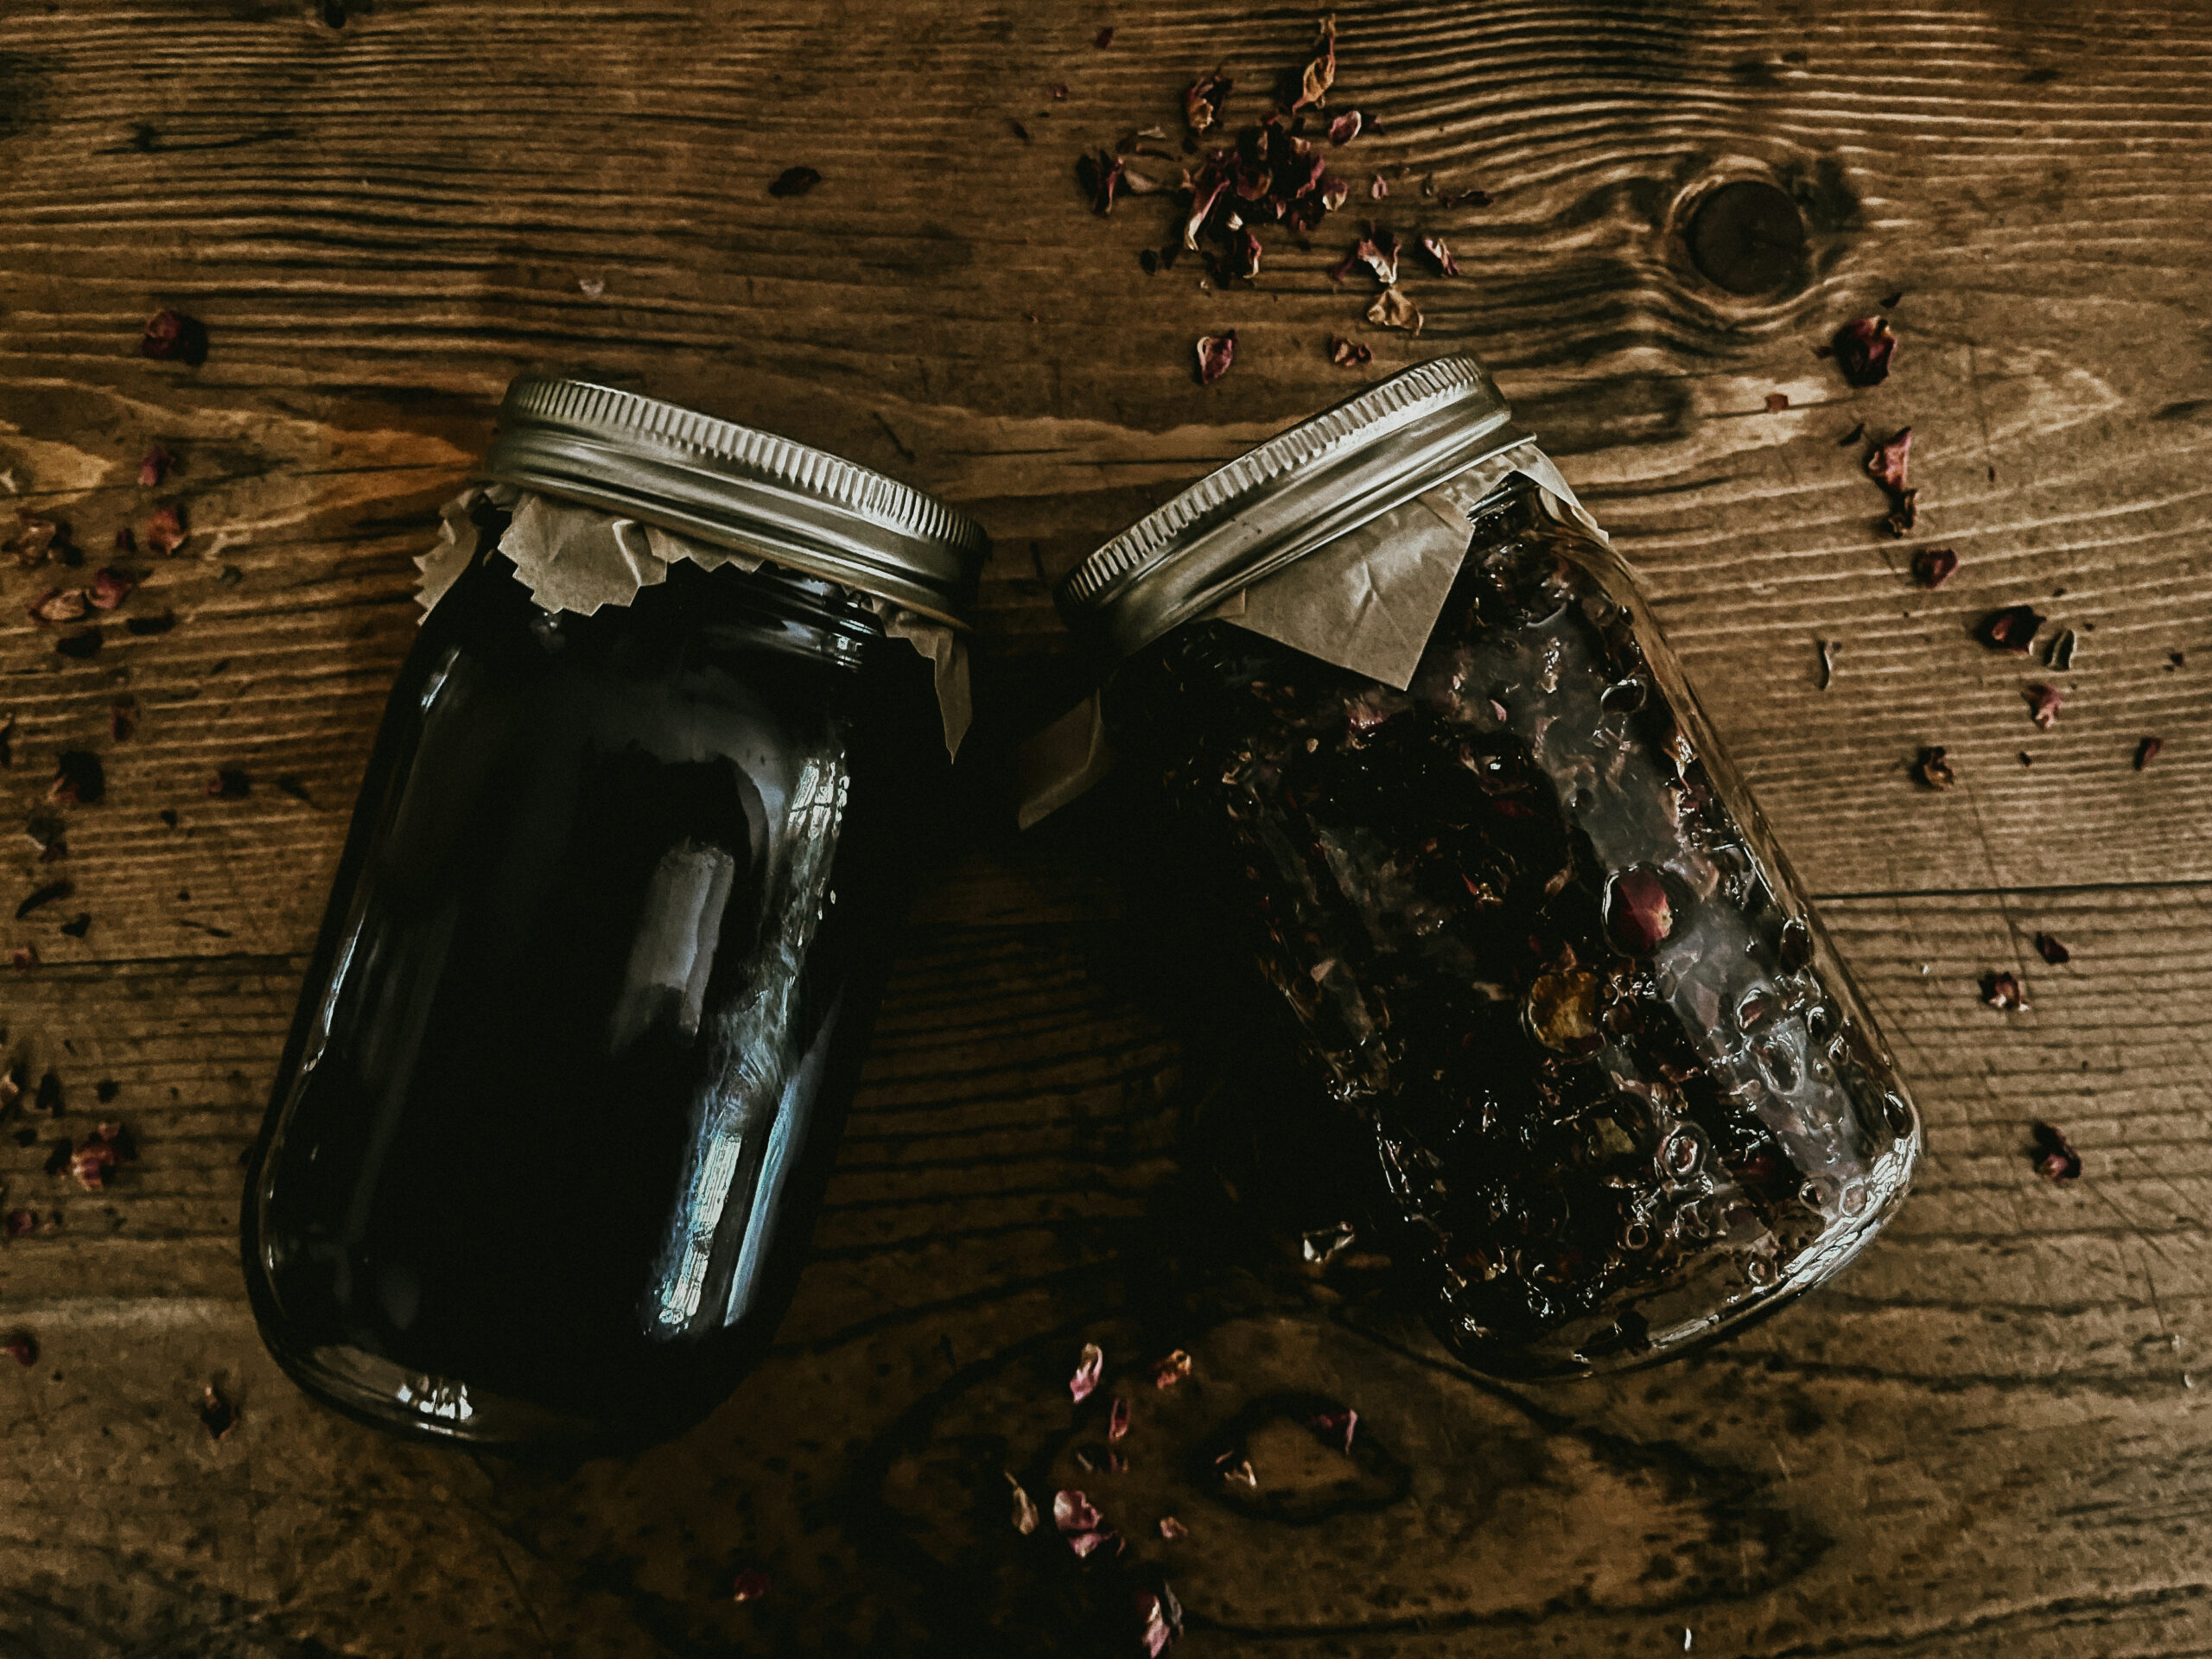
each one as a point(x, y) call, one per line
point(1986, 1438)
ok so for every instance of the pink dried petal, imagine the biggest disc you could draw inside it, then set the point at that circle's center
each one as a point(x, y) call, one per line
point(1863, 350)
point(122, 722)
point(2147, 751)
point(793, 182)
point(2004, 993)
point(1904, 513)
point(1157, 1634)
point(217, 1415)
point(1334, 194)
point(1073, 1512)
point(1331, 1424)
point(1776, 402)
point(230, 785)
point(1205, 189)
point(2012, 629)
point(1103, 39)
point(18, 1223)
point(2049, 948)
point(79, 779)
point(1025, 1510)
point(1887, 465)
point(1059, 91)
point(1639, 914)
point(1392, 310)
point(750, 1584)
point(1202, 102)
point(1934, 770)
point(24, 956)
point(109, 589)
point(165, 530)
point(1378, 187)
point(1084, 1542)
point(1349, 353)
point(1100, 174)
point(1379, 256)
point(34, 539)
point(1216, 354)
point(2055, 1157)
point(1345, 128)
point(1434, 247)
point(2044, 702)
point(1245, 253)
point(171, 334)
point(1117, 1420)
point(57, 605)
point(1089, 1364)
point(22, 1347)
point(1321, 72)
point(153, 466)
point(1934, 565)
point(1171, 1528)
point(1167, 1372)
point(1240, 1469)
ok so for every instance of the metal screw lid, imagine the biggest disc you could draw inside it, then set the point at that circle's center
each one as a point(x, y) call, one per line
point(738, 487)
point(1294, 493)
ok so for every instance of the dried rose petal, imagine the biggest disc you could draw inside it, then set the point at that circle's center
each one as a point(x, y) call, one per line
point(1331, 1424)
point(1334, 194)
point(1171, 1528)
point(2054, 1156)
point(18, 1223)
point(109, 589)
point(1216, 354)
point(1084, 1542)
point(1393, 310)
point(1117, 1420)
point(749, 1583)
point(1348, 354)
point(1934, 770)
point(1776, 402)
point(35, 539)
point(1863, 350)
point(153, 466)
point(1888, 464)
point(1204, 190)
point(52, 893)
point(1073, 1512)
point(165, 530)
point(22, 1347)
point(218, 1415)
point(2011, 629)
point(57, 605)
point(1103, 39)
point(1321, 72)
point(1245, 253)
point(171, 334)
point(1057, 92)
point(1377, 251)
point(1167, 1373)
point(2044, 701)
point(1025, 1510)
point(2147, 751)
point(1202, 102)
point(1241, 1470)
point(24, 956)
point(1638, 914)
point(1434, 247)
point(48, 1098)
point(2049, 948)
point(2004, 992)
point(794, 181)
point(1089, 1366)
point(1904, 513)
point(1157, 1636)
point(1934, 565)
point(1345, 128)
point(1100, 174)
point(1378, 188)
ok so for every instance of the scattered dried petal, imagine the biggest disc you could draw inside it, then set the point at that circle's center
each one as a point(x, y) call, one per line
point(48, 1098)
point(2011, 629)
point(1863, 350)
point(109, 589)
point(230, 785)
point(1776, 402)
point(1331, 1424)
point(165, 530)
point(2043, 704)
point(1171, 1528)
point(153, 466)
point(794, 181)
point(1934, 565)
point(22, 1347)
point(1334, 194)
point(1378, 251)
point(107, 1148)
point(1828, 649)
point(1324, 1246)
point(57, 605)
point(2054, 1155)
point(1934, 770)
point(79, 778)
point(749, 1583)
point(1345, 128)
point(1321, 73)
point(18, 1223)
point(1378, 187)
point(24, 956)
point(1904, 513)
point(2176, 660)
point(1440, 255)
point(1888, 464)
point(1100, 173)
point(1239, 1470)
point(2049, 948)
point(126, 540)
point(52, 893)
point(1216, 352)
point(1157, 1634)
point(1393, 310)
point(1103, 39)
point(1245, 253)
point(2004, 993)
point(1202, 102)
point(1084, 1542)
point(1638, 914)
point(1073, 1512)
point(1025, 1510)
point(35, 539)
point(1167, 1373)
point(1057, 92)
point(173, 336)
point(1117, 1420)
point(1349, 353)
point(591, 286)
point(1089, 1366)
point(2147, 751)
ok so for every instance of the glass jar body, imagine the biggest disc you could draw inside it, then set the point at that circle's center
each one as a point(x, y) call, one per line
point(589, 1006)
point(1533, 929)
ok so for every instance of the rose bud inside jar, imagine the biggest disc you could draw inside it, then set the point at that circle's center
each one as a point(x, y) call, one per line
point(1417, 734)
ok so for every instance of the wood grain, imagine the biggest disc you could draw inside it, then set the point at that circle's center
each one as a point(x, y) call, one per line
point(1987, 1439)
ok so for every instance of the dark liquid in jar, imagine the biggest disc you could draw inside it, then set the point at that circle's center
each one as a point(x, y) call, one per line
point(589, 1007)
point(1620, 1094)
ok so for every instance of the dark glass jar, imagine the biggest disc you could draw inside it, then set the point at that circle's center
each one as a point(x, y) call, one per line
point(1530, 925)
point(606, 938)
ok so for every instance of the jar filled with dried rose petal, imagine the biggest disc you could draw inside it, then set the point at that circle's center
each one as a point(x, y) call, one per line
point(610, 926)
point(1409, 710)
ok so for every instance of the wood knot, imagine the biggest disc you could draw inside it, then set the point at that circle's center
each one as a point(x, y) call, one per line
point(1747, 238)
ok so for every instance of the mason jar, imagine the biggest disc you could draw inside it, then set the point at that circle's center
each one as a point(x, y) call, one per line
point(611, 923)
point(1409, 716)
